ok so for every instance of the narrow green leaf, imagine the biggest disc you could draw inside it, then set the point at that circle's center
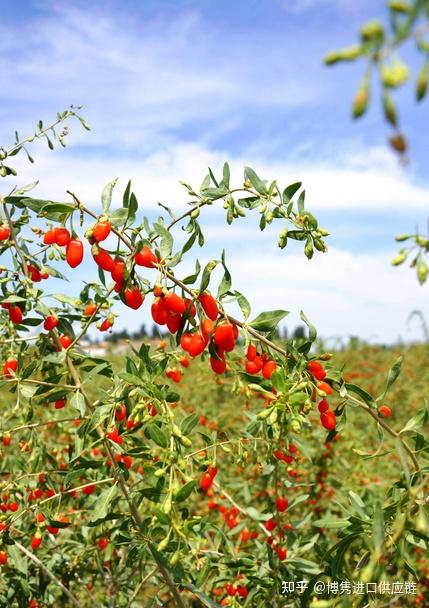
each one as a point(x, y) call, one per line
point(417, 421)
point(185, 491)
point(189, 423)
point(225, 284)
point(267, 321)
point(243, 303)
point(100, 509)
point(333, 523)
point(157, 435)
point(393, 374)
point(205, 279)
point(106, 195)
point(312, 332)
point(290, 191)
point(256, 182)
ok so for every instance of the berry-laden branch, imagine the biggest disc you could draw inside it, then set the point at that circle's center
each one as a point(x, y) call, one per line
point(255, 334)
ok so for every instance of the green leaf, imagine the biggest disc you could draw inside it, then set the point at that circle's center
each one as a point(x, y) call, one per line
point(57, 208)
point(297, 501)
point(166, 244)
point(340, 550)
point(126, 196)
point(393, 374)
point(289, 192)
point(205, 279)
point(106, 195)
point(333, 523)
point(301, 200)
point(417, 421)
point(257, 515)
point(225, 284)
point(226, 175)
point(185, 491)
point(366, 397)
point(157, 435)
point(358, 504)
point(215, 193)
point(190, 279)
point(189, 423)
point(267, 321)
point(100, 509)
point(118, 217)
point(25, 189)
point(312, 332)
point(305, 566)
point(257, 183)
point(78, 402)
point(243, 303)
point(131, 379)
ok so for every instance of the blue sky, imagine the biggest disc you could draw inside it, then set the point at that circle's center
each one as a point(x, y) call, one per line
point(172, 86)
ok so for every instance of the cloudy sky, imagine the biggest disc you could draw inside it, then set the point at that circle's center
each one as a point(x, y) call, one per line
point(170, 87)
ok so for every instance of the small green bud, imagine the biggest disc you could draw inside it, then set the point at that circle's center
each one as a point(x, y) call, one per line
point(402, 237)
point(360, 102)
point(264, 414)
point(272, 418)
point(372, 31)
point(283, 239)
point(175, 430)
point(399, 6)
point(195, 213)
point(323, 232)
point(389, 109)
point(308, 250)
point(394, 75)
point(400, 258)
point(422, 271)
point(295, 425)
point(420, 240)
point(185, 441)
point(160, 473)
point(422, 83)
point(166, 507)
point(320, 245)
point(163, 544)
point(347, 54)
point(421, 524)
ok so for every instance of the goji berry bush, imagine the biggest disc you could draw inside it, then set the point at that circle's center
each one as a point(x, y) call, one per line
point(204, 469)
